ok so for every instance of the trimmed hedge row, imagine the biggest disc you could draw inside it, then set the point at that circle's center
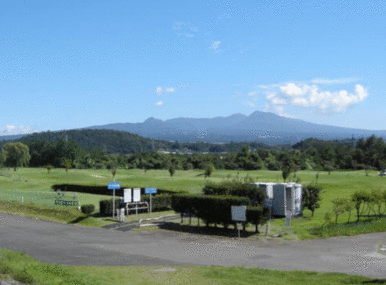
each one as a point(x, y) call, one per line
point(102, 190)
point(106, 206)
point(161, 202)
point(236, 188)
point(216, 209)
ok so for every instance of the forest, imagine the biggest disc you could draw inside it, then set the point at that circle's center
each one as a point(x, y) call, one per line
point(114, 149)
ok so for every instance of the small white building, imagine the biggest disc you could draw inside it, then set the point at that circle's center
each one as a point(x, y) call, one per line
point(283, 197)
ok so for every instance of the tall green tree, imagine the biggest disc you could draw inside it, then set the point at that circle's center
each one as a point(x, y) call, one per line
point(311, 197)
point(208, 170)
point(16, 154)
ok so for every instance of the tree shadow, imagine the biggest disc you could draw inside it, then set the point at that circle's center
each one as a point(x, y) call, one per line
point(375, 281)
point(78, 220)
point(203, 230)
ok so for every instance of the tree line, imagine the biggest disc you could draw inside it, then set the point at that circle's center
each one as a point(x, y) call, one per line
point(310, 154)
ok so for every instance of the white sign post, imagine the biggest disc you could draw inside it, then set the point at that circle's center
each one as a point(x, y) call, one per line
point(239, 214)
point(288, 219)
point(127, 195)
point(137, 198)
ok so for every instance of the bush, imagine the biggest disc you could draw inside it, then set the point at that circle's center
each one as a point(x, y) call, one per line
point(159, 202)
point(106, 206)
point(257, 216)
point(87, 209)
point(211, 209)
point(236, 188)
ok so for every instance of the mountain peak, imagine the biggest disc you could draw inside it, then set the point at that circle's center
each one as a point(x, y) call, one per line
point(152, 120)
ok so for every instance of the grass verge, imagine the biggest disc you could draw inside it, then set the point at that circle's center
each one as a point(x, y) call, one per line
point(20, 267)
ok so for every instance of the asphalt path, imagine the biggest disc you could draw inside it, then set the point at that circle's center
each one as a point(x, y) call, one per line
point(75, 245)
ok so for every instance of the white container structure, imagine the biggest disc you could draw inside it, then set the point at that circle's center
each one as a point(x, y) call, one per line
point(282, 197)
point(267, 188)
point(287, 197)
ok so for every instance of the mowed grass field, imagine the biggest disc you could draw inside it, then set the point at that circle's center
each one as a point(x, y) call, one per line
point(34, 185)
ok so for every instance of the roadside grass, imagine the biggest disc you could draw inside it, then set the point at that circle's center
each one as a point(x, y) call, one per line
point(34, 184)
point(20, 267)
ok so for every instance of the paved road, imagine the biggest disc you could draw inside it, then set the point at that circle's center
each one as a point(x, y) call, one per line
point(74, 245)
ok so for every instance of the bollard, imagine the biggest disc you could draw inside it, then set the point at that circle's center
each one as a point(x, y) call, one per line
point(22, 199)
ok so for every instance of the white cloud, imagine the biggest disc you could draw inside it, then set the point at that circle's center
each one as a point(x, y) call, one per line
point(215, 45)
point(252, 94)
point(309, 96)
point(185, 29)
point(332, 81)
point(159, 90)
point(159, 103)
point(15, 130)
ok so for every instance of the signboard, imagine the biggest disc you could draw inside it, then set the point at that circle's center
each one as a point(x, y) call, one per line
point(137, 195)
point(114, 185)
point(127, 195)
point(151, 190)
point(239, 213)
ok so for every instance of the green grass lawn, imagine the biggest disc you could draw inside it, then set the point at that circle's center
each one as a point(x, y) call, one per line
point(18, 266)
point(34, 185)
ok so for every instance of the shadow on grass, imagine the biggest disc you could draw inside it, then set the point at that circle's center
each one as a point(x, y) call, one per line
point(375, 281)
point(78, 220)
point(203, 230)
point(95, 215)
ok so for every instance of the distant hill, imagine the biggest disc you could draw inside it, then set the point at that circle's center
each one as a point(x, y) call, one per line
point(108, 140)
point(10, 137)
point(267, 128)
point(112, 141)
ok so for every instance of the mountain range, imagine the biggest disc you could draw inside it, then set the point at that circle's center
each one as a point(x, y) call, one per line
point(260, 126)
point(264, 127)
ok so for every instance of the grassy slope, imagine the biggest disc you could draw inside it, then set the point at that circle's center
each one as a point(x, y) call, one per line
point(23, 268)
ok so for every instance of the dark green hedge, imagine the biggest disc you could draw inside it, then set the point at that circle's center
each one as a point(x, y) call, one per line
point(211, 209)
point(236, 188)
point(106, 206)
point(161, 202)
point(257, 216)
point(87, 209)
point(102, 190)
point(217, 209)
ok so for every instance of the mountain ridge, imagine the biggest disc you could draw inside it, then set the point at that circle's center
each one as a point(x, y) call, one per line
point(264, 127)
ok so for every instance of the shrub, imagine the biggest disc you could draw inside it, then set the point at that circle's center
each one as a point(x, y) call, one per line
point(257, 216)
point(236, 188)
point(87, 209)
point(211, 209)
point(106, 206)
point(159, 202)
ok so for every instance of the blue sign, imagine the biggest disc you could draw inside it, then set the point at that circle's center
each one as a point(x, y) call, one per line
point(151, 190)
point(114, 185)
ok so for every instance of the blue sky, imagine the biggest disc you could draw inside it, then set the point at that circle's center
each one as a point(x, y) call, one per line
point(72, 64)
